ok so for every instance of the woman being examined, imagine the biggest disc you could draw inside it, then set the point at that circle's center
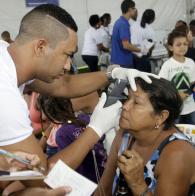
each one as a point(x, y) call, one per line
point(159, 159)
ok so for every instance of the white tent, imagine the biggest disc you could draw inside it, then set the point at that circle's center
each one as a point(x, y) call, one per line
point(167, 13)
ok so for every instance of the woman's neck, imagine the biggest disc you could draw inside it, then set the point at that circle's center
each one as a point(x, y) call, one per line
point(149, 138)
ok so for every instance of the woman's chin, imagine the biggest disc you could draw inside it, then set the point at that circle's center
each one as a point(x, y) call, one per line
point(121, 125)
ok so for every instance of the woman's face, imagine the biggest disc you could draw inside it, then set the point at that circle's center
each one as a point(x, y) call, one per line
point(137, 113)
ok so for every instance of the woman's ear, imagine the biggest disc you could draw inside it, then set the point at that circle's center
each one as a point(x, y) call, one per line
point(40, 47)
point(163, 117)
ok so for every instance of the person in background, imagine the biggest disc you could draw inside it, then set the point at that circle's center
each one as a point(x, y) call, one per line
point(61, 111)
point(5, 35)
point(148, 146)
point(104, 59)
point(192, 29)
point(141, 32)
point(121, 46)
point(183, 27)
point(180, 23)
point(93, 44)
point(38, 121)
point(134, 18)
point(180, 70)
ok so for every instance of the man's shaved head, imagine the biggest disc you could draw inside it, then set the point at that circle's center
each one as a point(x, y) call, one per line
point(46, 21)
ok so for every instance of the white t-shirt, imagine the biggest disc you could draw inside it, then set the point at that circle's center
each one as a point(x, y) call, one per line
point(181, 74)
point(91, 40)
point(106, 37)
point(106, 40)
point(15, 124)
point(139, 34)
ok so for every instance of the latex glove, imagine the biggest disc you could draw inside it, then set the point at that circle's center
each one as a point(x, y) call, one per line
point(104, 119)
point(130, 75)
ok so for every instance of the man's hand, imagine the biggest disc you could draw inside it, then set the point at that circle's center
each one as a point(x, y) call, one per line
point(16, 166)
point(130, 75)
point(104, 119)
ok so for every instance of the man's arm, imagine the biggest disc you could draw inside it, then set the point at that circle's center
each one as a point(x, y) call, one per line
point(95, 129)
point(75, 153)
point(71, 85)
point(129, 46)
point(86, 103)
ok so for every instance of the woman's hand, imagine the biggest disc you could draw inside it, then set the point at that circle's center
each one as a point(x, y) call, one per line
point(132, 167)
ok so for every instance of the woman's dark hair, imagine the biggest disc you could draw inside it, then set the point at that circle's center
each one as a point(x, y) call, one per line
point(147, 17)
point(176, 33)
point(58, 110)
point(163, 96)
point(94, 20)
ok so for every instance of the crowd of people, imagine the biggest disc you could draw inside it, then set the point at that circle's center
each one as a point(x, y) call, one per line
point(57, 114)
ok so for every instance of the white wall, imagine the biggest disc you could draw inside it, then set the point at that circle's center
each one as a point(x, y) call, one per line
point(167, 13)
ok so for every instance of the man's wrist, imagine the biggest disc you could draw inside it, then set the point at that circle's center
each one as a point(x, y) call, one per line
point(109, 72)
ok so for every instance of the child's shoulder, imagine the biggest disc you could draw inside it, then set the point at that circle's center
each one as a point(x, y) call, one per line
point(189, 60)
point(168, 62)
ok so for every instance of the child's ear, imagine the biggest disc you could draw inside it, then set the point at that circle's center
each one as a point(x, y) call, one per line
point(170, 48)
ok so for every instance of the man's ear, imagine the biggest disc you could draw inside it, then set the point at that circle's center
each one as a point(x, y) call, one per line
point(163, 117)
point(40, 47)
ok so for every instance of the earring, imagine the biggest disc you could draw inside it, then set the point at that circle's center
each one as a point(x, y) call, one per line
point(156, 126)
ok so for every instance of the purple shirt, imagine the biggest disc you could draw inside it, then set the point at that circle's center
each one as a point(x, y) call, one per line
point(68, 133)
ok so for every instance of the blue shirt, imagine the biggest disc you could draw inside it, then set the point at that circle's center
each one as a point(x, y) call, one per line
point(119, 55)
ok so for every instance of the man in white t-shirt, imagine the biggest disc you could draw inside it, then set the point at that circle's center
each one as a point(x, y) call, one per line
point(41, 54)
point(93, 44)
